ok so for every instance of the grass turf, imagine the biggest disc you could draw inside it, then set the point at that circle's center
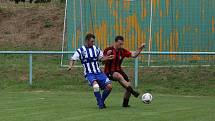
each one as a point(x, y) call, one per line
point(65, 95)
point(48, 75)
point(80, 106)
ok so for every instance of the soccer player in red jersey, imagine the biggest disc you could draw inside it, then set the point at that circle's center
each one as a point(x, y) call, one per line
point(113, 67)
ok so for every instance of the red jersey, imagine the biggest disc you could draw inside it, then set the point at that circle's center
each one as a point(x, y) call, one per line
point(115, 64)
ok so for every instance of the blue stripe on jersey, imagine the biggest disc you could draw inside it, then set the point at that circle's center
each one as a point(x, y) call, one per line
point(88, 54)
point(79, 54)
point(95, 57)
point(82, 60)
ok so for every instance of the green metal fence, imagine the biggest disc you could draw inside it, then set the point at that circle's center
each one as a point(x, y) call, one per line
point(177, 25)
point(135, 66)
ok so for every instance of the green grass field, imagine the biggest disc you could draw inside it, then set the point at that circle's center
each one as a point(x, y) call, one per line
point(80, 106)
point(180, 94)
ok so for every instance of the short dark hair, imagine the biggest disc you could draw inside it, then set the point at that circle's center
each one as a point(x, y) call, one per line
point(89, 36)
point(119, 38)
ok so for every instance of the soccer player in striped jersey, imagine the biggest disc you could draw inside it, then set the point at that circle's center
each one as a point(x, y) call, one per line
point(90, 55)
point(113, 67)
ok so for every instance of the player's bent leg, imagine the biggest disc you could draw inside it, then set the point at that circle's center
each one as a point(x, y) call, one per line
point(97, 94)
point(127, 94)
point(96, 87)
point(119, 77)
point(125, 84)
point(109, 87)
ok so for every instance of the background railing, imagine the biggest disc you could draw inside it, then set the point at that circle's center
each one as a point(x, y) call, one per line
point(135, 65)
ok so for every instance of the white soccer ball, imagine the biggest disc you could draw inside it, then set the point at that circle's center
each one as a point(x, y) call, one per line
point(147, 98)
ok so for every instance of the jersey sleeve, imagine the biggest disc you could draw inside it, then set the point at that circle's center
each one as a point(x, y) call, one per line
point(127, 53)
point(76, 56)
point(100, 56)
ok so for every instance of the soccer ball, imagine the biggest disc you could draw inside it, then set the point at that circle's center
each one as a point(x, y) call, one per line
point(147, 98)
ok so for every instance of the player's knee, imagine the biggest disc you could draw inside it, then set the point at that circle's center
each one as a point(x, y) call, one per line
point(117, 76)
point(96, 88)
point(129, 83)
point(109, 87)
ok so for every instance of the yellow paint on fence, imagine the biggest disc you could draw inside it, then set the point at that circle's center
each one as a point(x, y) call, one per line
point(167, 7)
point(213, 25)
point(101, 34)
point(110, 2)
point(144, 13)
point(126, 4)
point(161, 13)
point(173, 43)
point(144, 10)
point(154, 6)
point(160, 39)
point(195, 57)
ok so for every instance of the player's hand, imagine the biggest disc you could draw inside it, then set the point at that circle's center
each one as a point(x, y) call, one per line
point(143, 45)
point(69, 68)
point(109, 52)
point(110, 57)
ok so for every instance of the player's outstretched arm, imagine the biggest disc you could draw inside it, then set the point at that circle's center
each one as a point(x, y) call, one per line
point(71, 64)
point(106, 58)
point(137, 52)
point(107, 55)
point(75, 57)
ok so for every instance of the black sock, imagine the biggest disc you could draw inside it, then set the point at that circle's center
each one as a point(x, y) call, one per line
point(125, 102)
point(130, 89)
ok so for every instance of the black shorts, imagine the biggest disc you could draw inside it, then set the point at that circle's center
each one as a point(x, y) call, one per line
point(110, 75)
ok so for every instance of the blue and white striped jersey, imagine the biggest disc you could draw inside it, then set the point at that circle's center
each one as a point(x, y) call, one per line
point(89, 57)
